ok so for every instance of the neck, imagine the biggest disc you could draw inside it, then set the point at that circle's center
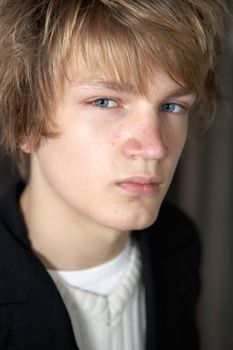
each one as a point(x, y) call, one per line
point(61, 238)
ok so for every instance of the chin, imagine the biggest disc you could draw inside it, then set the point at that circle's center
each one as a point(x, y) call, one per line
point(145, 218)
point(139, 222)
point(143, 224)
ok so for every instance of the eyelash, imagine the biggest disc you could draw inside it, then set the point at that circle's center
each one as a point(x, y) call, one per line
point(104, 99)
point(174, 105)
point(163, 107)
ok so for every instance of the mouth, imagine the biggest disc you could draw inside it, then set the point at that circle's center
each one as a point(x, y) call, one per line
point(140, 186)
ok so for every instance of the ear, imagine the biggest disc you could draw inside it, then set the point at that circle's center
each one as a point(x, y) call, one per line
point(25, 145)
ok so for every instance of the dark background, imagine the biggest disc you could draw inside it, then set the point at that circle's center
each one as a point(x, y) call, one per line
point(203, 187)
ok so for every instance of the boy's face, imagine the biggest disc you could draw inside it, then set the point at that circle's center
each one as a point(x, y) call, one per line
point(117, 151)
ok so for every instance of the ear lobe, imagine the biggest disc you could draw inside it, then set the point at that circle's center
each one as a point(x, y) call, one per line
point(25, 145)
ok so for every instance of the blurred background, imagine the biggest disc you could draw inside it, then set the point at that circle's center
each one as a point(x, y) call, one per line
point(203, 187)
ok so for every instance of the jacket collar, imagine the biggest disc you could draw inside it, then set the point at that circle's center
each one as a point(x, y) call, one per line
point(11, 215)
point(17, 263)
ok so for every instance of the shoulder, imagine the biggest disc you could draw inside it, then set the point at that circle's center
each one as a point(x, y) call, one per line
point(170, 253)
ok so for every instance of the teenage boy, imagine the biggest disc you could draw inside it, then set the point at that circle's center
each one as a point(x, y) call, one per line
point(95, 99)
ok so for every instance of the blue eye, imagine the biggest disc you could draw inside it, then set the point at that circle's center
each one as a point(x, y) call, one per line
point(171, 108)
point(105, 103)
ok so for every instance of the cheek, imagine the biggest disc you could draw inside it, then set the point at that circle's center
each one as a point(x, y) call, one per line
point(177, 138)
point(85, 147)
point(81, 152)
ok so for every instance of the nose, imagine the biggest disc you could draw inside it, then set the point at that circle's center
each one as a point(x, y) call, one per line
point(146, 142)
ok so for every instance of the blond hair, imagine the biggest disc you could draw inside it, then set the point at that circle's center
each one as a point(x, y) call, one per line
point(41, 39)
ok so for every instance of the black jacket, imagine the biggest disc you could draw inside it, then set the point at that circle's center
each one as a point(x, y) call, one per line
point(33, 315)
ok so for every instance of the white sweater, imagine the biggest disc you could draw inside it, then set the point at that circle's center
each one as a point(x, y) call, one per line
point(107, 322)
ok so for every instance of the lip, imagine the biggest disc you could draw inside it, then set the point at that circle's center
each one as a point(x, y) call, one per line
point(140, 185)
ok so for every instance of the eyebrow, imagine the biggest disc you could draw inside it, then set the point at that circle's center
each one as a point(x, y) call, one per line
point(179, 91)
point(108, 85)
